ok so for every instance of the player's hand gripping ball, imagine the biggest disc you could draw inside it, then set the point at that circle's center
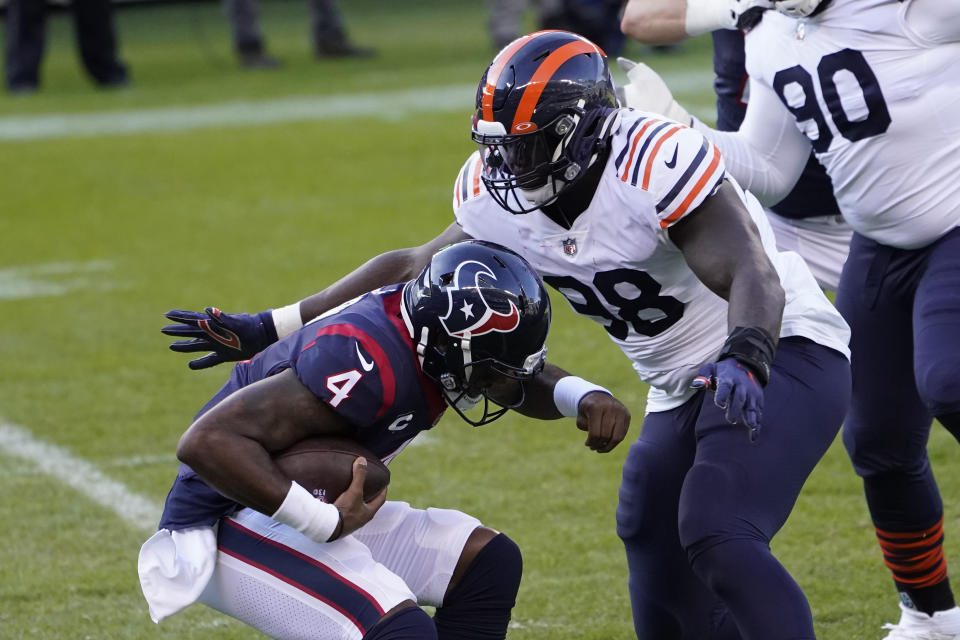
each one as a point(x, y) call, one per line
point(324, 467)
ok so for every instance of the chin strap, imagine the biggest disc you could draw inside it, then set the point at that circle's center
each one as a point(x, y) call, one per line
point(591, 135)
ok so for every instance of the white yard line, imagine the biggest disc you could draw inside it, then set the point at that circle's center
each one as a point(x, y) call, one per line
point(54, 461)
point(384, 105)
point(54, 279)
point(136, 510)
point(379, 105)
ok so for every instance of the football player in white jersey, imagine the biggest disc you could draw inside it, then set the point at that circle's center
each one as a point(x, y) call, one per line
point(633, 218)
point(873, 87)
point(807, 220)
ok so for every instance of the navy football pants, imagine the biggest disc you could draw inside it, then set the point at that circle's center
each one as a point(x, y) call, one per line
point(699, 504)
point(903, 308)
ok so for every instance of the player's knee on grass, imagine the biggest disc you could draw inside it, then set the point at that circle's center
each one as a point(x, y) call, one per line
point(405, 622)
point(482, 594)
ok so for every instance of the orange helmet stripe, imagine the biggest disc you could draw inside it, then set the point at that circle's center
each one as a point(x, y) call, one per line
point(496, 68)
point(544, 72)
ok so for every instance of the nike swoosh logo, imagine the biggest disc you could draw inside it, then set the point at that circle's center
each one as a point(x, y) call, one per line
point(367, 366)
point(673, 161)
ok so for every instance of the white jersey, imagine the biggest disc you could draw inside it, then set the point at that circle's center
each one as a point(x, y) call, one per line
point(879, 102)
point(617, 265)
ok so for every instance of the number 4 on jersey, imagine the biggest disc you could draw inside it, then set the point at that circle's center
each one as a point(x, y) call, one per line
point(340, 385)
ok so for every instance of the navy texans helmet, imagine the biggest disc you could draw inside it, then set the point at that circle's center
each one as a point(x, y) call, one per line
point(543, 109)
point(478, 311)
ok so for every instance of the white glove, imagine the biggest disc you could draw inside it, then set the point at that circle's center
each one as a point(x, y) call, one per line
point(647, 91)
point(704, 16)
point(797, 8)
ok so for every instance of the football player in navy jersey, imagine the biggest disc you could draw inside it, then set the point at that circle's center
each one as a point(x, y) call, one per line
point(634, 220)
point(873, 89)
point(237, 535)
point(807, 220)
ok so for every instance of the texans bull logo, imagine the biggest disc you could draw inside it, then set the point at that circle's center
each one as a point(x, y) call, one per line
point(468, 312)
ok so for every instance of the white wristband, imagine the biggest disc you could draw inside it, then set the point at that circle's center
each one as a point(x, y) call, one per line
point(286, 319)
point(704, 16)
point(312, 517)
point(569, 391)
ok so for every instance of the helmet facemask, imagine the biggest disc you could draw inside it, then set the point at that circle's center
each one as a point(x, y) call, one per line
point(526, 171)
point(466, 384)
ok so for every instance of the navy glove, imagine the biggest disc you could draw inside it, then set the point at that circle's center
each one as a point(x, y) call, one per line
point(736, 390)
point(230, 336)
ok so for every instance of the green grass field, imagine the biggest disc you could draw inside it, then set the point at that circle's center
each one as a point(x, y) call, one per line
point(101, 231)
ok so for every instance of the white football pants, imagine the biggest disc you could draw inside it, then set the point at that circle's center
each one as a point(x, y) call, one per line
point(276, 580)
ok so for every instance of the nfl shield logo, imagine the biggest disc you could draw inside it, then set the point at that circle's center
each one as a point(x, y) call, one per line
point(569, 246)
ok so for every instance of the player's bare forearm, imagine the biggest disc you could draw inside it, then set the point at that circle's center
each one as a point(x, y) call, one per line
point(387, 268)
point(722, 246)
point(605, 419)
point(230, 446)
point(655, 21)
point(384, 269)
point(538, 394)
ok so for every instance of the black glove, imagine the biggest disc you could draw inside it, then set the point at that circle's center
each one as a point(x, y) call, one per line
point(230, 336)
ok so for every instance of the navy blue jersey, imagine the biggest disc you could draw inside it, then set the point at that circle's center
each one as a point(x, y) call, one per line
point(813, 193)
point(361, 361)
point(730, 68)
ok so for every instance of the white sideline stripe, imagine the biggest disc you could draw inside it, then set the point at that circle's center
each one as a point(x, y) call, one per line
point(381, 105)
point(57, 462)
point(145, 460)
point(54, 279)
point(138, 511)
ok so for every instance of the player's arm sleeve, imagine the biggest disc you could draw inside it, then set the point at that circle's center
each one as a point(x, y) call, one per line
point(931, 22)
point(767, 155)
point(468, 193)
point(331, 367)
point(468, 183)
point(677, 166)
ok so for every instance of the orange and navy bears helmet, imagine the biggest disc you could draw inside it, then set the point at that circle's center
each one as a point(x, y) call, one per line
point(478, 312)
point(543, 109)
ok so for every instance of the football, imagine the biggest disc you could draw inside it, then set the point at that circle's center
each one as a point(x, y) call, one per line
point(324, 467)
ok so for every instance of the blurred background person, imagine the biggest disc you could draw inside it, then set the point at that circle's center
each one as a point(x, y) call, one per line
point(327, 33)
point(597, 20)
point(507, 18)
point(96, 42)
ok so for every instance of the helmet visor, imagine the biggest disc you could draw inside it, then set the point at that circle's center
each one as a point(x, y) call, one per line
point(527, 156)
